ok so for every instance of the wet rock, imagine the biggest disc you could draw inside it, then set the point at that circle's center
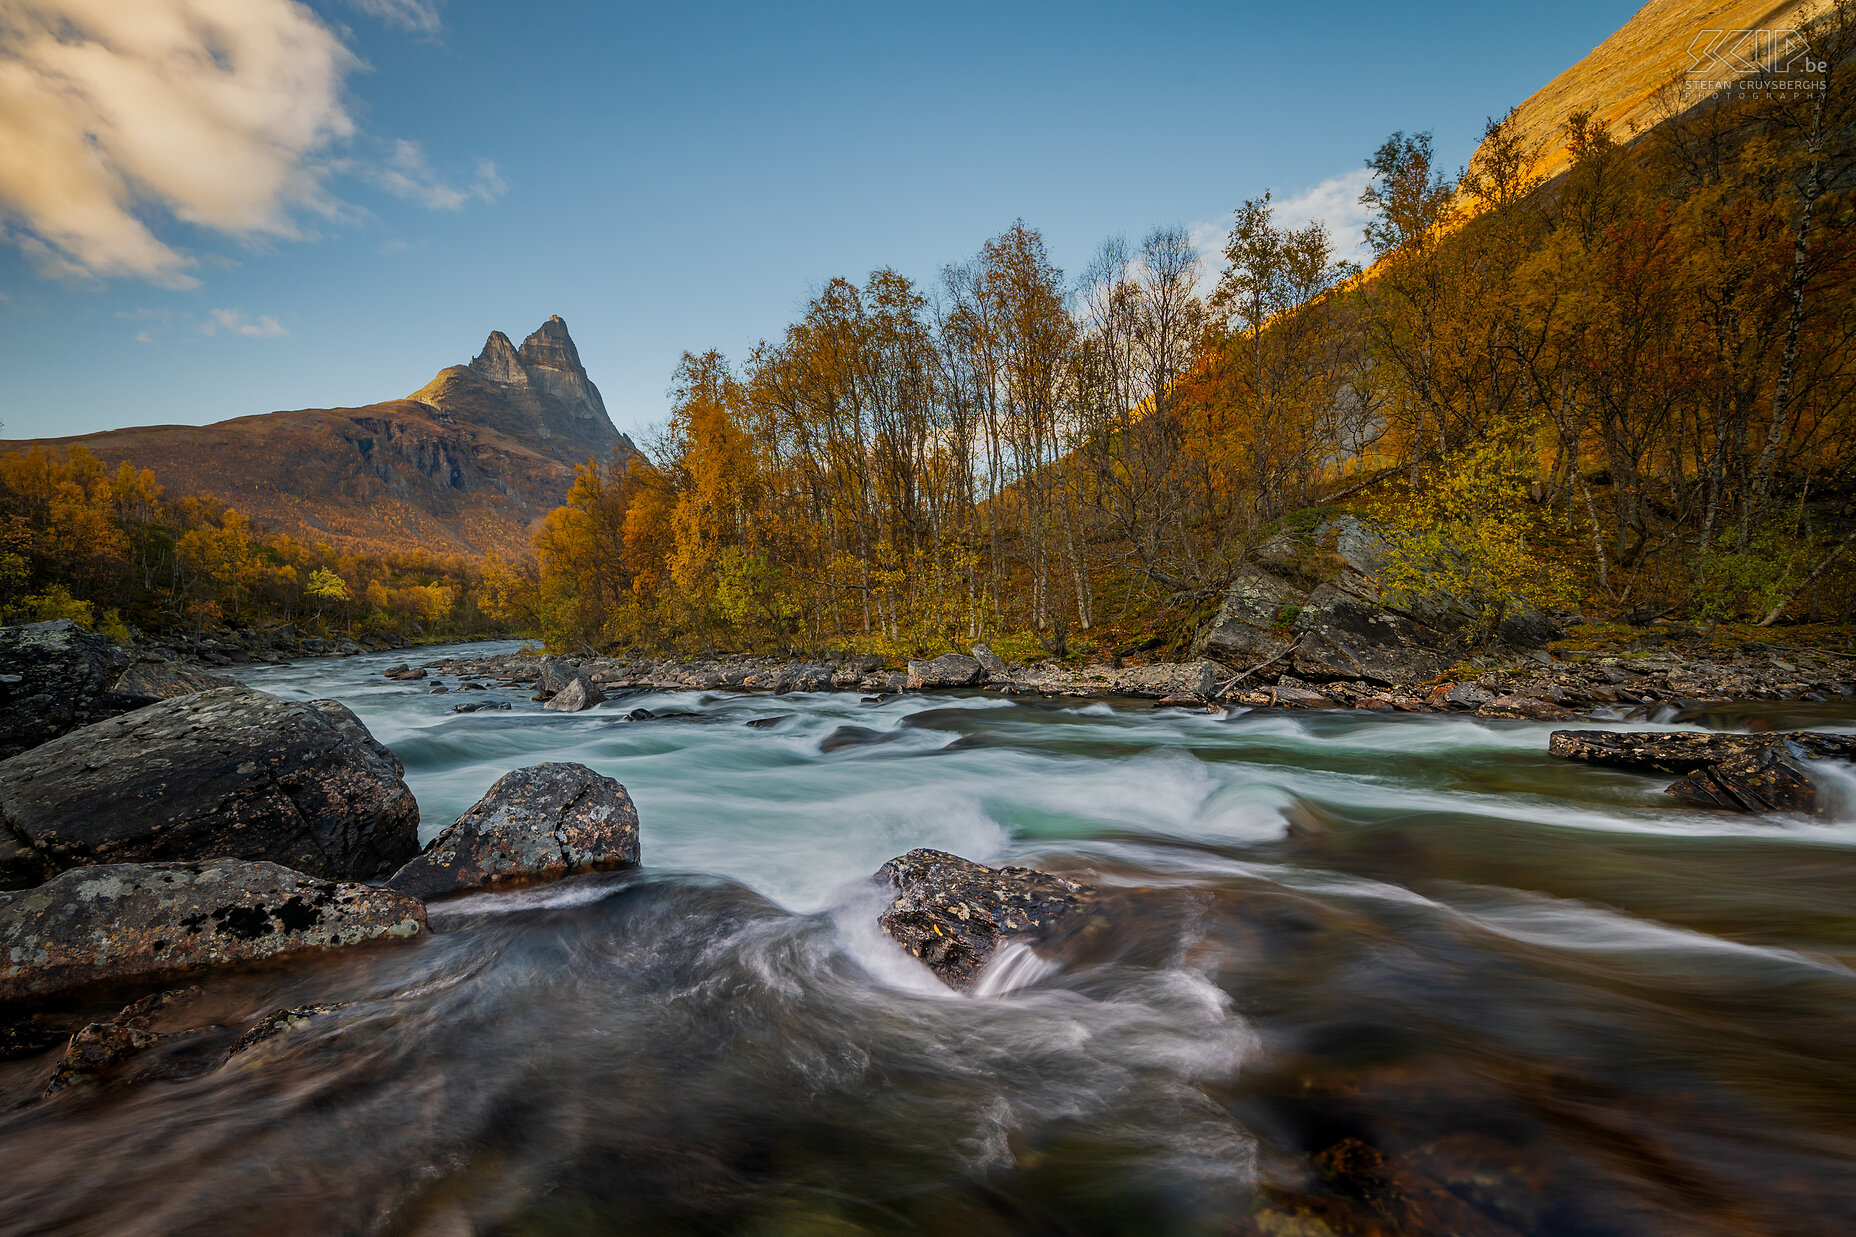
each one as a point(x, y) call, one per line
point(1340, 636)
point(1195, 678)
point(577, 696)
point(134, 921)
point(403, 672)
point(105, 1052)
point(55, 677)
point(640, 715)
point(280, 1021)
point(1755, 773)
point(767, 723)
point(165, 680)
point(948, 670)
point(855, 736)
point(1253, 621)
point(534, 824)
point(954, 914)
point(1686, 751)
point(231, 772)
point(1764, 781)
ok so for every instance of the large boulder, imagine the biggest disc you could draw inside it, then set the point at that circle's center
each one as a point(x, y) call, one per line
point(165, 680)
point(55, 677)
point(535, 824)
point(955, 914)
point(1253, 623)
point(577, 696)
point(1755, 773)
point(1194, 678)
point(1340, 636)
point(948, 670)
point(132, 921)
point(231, 772)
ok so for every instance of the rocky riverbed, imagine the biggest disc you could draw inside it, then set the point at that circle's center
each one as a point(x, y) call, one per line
point(835, 947)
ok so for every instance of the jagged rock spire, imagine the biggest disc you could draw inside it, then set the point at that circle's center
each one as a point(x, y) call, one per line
point(547, 362)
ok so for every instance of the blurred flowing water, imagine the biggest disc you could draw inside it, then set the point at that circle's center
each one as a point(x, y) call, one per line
point(1549, 993)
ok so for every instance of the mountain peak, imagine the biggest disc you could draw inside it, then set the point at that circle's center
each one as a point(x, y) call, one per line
point(499, 361)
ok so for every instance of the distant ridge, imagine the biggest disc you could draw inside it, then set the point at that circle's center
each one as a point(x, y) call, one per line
point(464, 466)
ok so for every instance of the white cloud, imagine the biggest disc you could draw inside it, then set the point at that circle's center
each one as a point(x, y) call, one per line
point(1335, 202)
point(417, 16)
point(234, 320)
point(405, 174)
point(208, 111)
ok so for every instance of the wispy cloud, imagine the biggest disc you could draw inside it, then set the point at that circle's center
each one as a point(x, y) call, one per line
point(205, 111)
point(405, 173)
point(264, 326)
point(416, 16)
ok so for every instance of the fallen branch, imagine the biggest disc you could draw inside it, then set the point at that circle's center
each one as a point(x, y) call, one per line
point(1259, 666)
point(1772, 615)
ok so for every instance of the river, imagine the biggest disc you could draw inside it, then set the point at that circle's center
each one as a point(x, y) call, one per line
point(1546, 998)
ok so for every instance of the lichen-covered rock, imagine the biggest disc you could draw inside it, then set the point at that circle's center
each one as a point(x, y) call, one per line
point(55, 677)
point(1754, 773)
point(231, 772)
point(1193, 678)
point(954, 914)
point(132, 921)
point(947, 670)
point(535, 824)
point(577, 696)
point(166, 680)
point(1685, 751)
point(1768, 780)
point(1531, 708)
point(1253, 622)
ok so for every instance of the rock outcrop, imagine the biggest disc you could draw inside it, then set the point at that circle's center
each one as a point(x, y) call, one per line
point(231, 773)
point(955, 914)
point(1253, 623)
point(1755, 773)
point(55, 677)
point(1196, 679)
point(534, 824)
point(133, 921)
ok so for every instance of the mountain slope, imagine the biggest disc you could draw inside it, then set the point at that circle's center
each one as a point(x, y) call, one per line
point(465, 465)
point(1618, 82)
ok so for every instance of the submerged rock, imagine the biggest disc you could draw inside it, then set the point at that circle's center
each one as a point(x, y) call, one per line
point(55, 677)
point(279, 1021)
point(232, 773)
point(128, 921)
point(947, 670)
point(535, 824)
point(104, 1052)
point(954, 914)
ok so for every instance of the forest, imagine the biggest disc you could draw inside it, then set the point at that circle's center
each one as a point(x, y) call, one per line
point(111, 550)
point(1626, 390)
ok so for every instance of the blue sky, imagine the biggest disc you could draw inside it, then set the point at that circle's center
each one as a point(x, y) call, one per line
point(388, 180)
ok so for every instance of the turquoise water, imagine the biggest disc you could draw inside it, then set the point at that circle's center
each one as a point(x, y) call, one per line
point(1546, 993)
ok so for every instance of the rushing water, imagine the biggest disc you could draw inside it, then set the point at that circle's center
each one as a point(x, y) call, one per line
point(1556, 1000)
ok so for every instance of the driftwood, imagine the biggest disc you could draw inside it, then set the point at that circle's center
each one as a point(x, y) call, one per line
point(1259, 666)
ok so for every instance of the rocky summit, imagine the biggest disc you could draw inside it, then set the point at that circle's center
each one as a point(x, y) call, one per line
point(464, 465)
